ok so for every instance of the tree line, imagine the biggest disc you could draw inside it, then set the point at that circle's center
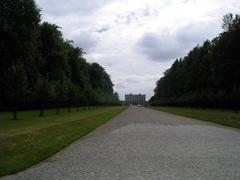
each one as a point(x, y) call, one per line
point(40, 69)
point(208, 76)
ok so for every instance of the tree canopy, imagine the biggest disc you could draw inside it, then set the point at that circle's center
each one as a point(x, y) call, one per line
point(40, 69)
point(208, 76)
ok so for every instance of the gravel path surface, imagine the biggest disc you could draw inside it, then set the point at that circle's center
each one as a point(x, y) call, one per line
point(145, 144)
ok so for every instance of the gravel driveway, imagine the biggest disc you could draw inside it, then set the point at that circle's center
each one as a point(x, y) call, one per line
point(145, 144)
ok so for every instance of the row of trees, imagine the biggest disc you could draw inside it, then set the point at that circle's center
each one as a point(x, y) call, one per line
point(40, 69)
point(208, 76)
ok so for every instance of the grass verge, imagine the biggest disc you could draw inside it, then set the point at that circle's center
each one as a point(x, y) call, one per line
point(226, 118)
point(31, 139)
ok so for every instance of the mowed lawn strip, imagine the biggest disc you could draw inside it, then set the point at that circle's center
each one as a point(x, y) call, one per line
point(29, 140)
point(226, 117)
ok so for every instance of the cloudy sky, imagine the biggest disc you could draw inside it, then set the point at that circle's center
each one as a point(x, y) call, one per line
point(137, 40)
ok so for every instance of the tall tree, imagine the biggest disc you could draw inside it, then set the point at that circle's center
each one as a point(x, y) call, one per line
point(55, 71)
point(19, 21)
point(208, 75)
point(53, 51)
point(16, 86)
point(61, 88)
point(44, 93)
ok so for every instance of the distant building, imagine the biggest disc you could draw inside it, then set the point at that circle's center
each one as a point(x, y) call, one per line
point(135, 99)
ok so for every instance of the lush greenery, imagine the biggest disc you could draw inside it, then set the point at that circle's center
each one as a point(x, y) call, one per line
point(40, 69)
point(30, 140)
point(226, 117)
point(208, 76)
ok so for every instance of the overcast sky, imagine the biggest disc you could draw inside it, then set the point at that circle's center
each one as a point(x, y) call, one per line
point(137, 40)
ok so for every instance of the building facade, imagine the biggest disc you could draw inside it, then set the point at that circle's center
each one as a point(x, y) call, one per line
point(135, 99)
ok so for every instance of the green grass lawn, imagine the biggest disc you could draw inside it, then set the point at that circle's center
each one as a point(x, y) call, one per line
point(31, 139)
point(226, 118)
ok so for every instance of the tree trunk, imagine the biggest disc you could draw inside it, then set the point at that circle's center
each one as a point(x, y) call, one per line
point(57, 111)
point(41, 112)
point(77, 109)
point(15, 115)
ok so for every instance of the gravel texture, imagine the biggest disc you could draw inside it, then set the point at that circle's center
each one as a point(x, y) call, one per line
point(145, 144)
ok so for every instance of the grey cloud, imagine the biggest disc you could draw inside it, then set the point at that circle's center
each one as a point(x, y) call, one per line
point(171, 46)
point(158, 48)
point(195, 33)
point(102, 29)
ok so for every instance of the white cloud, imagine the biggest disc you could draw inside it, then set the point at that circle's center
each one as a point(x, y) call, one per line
point(85, 41)
point(136, 41)
point(61, 7)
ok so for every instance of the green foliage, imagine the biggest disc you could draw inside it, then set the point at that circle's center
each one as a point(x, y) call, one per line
point(62, 88)
point(53, 51)
point(16, 84)
point(44, 91)
point(208, 75)
point(19, 21)
point(15, 87)
point(55, 71)
point(230, 22)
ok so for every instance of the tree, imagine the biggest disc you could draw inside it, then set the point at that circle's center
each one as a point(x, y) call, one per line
point(62, 88)
point(18, 34)
point(55, 71)
point(208, 75)
point(16, 86)
point(52, 48)
point(227, 21)
point(101, 84)
point(44, 93)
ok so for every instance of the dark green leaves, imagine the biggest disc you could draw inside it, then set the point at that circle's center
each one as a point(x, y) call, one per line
point(39, 68)
point(208, 76)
